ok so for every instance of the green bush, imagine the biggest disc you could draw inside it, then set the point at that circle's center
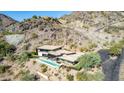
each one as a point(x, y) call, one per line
point(73, 46)
point(3, 68)
point(70, 77)
point(6, 48)
point(84, 76)
point(99, 76)
point(116, 48)
point(88, 61)
point(87, 48)
point(82, 49)
point(11, 57)
point(25, 56)
point(34, 53)
point(26, 76)
point(8, 33)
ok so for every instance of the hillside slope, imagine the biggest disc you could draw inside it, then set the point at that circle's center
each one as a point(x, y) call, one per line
point(81, 30)
point(5, 21)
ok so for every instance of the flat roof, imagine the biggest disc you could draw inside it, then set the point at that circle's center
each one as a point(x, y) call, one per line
point(61, 52)
point(49, 47)
point(72, 57)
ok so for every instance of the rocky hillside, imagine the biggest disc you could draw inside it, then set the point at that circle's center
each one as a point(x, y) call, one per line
point(78, 31)
point(98, 27)
point(81, 31)
point(5, 21)
point(41, 23)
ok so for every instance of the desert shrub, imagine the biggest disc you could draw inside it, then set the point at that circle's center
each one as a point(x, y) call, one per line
point(26, 76)
point(11, 57)
point(84, 76)
point(116, 48)
point(82, 49)
point(73, 46)
point(89, 46)
point(41, 27)
point(113, 29)
point(1, 58)
point(34, 62)
point(43, 68)
point(98, 76)
point(68, 69)
point(26, 47)
point(7, 33)
point(34, 35)
point(34, 53)
point(88, 61)
point(69, 77)
point(92, 45)
point(48, 18)
point(23, 57)
point(6, 48)
point(27, 20)
point(3, 68)
point(11, 32)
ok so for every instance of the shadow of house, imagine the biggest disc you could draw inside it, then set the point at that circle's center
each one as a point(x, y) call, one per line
point(107, 64)
point(121, 67)
point(113, 69)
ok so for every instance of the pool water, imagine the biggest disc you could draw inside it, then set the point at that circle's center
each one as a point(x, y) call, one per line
point(49, 62)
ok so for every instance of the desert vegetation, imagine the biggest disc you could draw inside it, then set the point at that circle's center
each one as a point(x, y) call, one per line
point(116, 48)
point(79, 32)
point(84, 76)
point(88, 61)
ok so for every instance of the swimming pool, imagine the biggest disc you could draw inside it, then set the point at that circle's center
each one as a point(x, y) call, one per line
point(49, 62)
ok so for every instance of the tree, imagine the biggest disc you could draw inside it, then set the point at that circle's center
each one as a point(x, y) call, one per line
point(88, 61)
point(35, 17)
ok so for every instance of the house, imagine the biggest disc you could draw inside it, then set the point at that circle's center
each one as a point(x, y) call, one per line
point(43, 51)
point(56, 53)
point(72, 58)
